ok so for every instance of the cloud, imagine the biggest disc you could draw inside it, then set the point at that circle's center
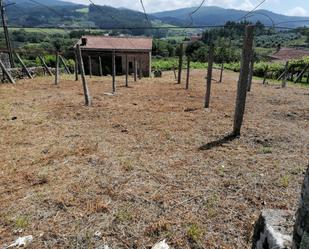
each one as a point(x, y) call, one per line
point(297, 11)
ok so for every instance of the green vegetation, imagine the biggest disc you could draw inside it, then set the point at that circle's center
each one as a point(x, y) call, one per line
point(83, 10)
point(194, 233)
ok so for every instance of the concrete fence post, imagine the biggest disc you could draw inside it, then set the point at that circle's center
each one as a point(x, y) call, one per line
point(82, 72)
point(180, 63)
point(188, 72)
point(243, 80)
point(209, 75)
point(57, 69)
point(285, 74)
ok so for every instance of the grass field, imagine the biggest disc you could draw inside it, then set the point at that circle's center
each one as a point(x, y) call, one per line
point(130, 170)
point(45, 30)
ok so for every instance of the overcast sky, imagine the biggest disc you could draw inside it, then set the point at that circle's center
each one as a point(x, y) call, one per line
point(289, 7)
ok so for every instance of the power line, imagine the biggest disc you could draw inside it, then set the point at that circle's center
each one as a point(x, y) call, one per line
point(196, 10)
point(23, 12)
point(263, 14)
point(46, 6)
point(251, 11)
point(51, 9)
point(146, 16)
point(100, 9)
point(147, 28)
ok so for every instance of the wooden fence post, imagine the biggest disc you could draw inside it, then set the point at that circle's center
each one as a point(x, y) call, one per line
point(188, 72)
point(100, 66)
point(6, 72)
point(24, 66)
point(251, 71)
point(221, 72)
point(243, 80)
point(180, 63)
point(285, 74)
point(82, 71)
point(57, 69)
point(265, 75)
point(90, 66)
point(65, 65)
point(114, 70)
point(135, 69)
point(127, 71)
point(209, 75)
point(76, 66)
point(45, 66)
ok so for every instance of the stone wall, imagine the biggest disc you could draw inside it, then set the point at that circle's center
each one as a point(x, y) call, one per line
point(18, 73)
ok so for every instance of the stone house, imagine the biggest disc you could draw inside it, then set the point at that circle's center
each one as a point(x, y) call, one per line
point(137, 49)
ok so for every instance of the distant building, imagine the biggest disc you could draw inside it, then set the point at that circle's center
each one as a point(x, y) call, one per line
point(138, 48)
point(195, 38)
point(285, 54)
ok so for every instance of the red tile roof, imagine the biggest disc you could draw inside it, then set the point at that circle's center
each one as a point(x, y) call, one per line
point(117, 43)
point(285, 54)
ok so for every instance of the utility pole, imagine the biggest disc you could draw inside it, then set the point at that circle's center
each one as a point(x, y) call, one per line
point(6, 33)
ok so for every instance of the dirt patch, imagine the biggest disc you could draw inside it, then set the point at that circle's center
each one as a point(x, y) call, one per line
point(130, 167)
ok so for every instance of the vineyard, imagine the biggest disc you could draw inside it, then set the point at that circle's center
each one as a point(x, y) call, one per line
point(130, 170)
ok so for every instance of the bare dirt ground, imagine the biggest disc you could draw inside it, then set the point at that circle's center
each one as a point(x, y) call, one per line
point(128, 171)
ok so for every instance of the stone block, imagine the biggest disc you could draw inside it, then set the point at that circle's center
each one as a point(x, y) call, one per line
point(274, 229)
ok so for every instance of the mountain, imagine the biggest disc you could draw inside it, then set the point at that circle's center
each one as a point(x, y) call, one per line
point(30, 4)
point(56, 13)
point(218, 16)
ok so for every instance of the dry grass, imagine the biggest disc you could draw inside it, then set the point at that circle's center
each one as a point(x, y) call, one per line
point(130, 165)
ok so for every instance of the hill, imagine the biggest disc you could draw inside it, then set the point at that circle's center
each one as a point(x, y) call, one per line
point(218, 16)
point(57, 13)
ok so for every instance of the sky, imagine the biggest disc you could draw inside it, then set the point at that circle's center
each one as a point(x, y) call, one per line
point(287, 7)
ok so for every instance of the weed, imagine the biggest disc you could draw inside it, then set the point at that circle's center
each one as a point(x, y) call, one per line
point(284, 181)
point(124, 215)
point(21, 222)
point(194, 233)
point(211, 206)
point(266, 150)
